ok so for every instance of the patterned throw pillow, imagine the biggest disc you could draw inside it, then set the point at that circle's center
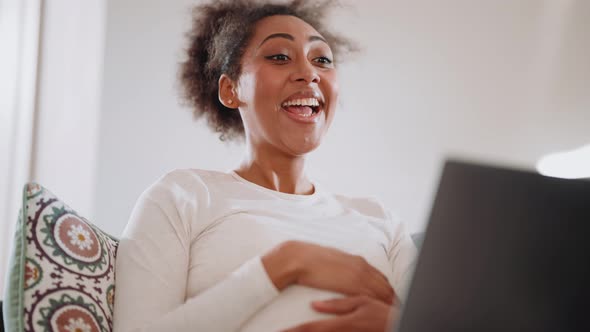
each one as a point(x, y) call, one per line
point(62, 275)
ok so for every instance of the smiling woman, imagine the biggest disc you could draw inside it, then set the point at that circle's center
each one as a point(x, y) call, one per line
point(263, 247)
point(217, 44)
point(282, 75)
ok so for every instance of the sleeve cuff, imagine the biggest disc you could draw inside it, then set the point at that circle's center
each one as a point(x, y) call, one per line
point(253, 273)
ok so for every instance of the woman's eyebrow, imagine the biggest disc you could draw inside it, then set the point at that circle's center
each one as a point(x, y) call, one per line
point(290, 37)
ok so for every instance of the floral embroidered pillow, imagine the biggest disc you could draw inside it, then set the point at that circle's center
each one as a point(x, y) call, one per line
point(62, 275)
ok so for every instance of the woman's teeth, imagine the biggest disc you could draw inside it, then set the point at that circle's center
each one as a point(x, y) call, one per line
point(302, 102)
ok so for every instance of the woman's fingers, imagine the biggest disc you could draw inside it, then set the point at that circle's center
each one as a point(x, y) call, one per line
point(356, 313)
point(340, 305)
point(368, 280)
point(378, 273)
point(332, 269)
point(378, 285)
point(386, 293)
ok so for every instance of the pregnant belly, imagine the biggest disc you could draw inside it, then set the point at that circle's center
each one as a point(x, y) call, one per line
point(290, 308)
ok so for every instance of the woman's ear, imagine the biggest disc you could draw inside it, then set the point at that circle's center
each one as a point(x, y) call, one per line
point(227, 92)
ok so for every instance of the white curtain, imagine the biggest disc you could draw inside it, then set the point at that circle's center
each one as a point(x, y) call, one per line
point(19, 45)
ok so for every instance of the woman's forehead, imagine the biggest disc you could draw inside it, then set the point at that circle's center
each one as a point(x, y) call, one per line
point(283, 24)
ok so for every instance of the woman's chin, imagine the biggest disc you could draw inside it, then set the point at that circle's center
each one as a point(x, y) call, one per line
point(301, 138)
point(301, 145)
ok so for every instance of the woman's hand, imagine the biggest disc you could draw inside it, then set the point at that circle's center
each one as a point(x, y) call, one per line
point(358, 313)
point(296, 262)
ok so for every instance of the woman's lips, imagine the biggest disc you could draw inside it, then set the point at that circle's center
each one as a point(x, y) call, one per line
point(298, 114)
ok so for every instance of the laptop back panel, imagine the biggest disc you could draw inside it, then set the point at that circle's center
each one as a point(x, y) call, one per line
point(504, 250)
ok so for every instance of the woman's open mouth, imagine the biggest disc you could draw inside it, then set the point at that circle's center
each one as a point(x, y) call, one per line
point(305, 110)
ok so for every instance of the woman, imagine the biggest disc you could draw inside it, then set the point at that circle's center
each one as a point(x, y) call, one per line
point(261, 248)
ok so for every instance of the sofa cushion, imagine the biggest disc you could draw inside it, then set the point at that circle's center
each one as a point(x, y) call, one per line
point(61, 274)
point(418, 238)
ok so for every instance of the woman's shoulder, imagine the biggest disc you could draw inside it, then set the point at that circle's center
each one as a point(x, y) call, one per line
point(190, 174)
point(182, 184)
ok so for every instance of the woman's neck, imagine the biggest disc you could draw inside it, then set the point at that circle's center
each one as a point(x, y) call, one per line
point(276, 172)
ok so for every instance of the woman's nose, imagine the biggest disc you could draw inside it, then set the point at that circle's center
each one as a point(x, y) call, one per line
point(305, 72)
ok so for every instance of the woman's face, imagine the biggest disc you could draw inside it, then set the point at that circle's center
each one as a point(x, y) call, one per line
point(288, 88)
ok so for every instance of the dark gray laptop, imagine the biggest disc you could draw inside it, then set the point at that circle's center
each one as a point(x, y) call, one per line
point(505, 250)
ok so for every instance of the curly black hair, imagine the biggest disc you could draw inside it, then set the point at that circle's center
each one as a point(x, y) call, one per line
point(217, 41)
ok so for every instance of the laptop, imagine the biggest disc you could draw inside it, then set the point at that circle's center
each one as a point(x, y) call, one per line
point(505, 250)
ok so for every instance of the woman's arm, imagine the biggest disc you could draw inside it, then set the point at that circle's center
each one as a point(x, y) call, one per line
point(152, 270)
point(312, 265)
point(363, 313)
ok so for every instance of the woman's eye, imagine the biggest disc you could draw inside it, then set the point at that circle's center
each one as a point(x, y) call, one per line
point(278, 57)
point(323, 60)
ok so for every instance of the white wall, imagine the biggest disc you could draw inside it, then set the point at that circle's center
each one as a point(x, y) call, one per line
point(70, 76)
point(504, 81)
point(495, 80)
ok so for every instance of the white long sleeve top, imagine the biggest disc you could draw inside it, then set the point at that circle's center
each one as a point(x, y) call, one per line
point(189, 258)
